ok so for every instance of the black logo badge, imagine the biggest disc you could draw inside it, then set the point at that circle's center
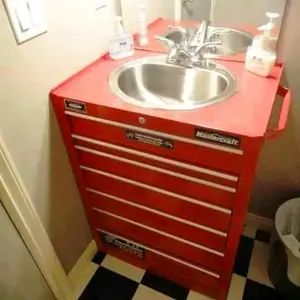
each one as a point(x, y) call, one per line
point(123, 245)
point(75, 106)
point(149, 139)
point(217, 138)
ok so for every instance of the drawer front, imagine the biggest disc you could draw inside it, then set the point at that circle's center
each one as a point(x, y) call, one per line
point(211, 261)
point(168, 224)
point(191, 150)
point(178, 183)
point(173, 268)
point(86, 144)
point(164, 201)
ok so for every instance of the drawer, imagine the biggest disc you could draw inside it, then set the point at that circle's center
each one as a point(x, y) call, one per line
point(206, 154)
point(168, 180)
point(164, 201)
point(168, 225)
point(211, 260)
point(157, 262)
point(86, 144)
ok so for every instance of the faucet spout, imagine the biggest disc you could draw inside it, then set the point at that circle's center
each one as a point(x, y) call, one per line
point(201, 47)
point(201, 34)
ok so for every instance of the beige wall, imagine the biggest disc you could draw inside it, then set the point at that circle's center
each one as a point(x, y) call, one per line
point(156, 8)
point(245, 11)
point(77, 34)
point(279, 169)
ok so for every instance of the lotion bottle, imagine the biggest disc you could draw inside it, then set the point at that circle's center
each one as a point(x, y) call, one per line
point(142, 23)
point(260, 58)
point(121, 45)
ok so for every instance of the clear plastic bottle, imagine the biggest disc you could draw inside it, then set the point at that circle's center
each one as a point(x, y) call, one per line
point(142, 23)
point(121, 45)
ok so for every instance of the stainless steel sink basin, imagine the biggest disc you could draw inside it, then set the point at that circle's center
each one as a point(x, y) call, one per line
point(152, 83)
point(233, 41)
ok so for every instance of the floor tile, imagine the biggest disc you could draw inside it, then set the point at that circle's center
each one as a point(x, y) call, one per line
point(263, 236)
point(237, 287)
point(81, 279)
point(258, 270)
point(165, 286)
point(123, 268)
point(98, 258)
point(243, 257)
point(145, 293)
point(107, 285)
point(257, 291)
point(196, 296)
point(249, 231)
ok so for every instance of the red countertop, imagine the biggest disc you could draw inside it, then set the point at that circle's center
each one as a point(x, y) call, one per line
point(245, 113)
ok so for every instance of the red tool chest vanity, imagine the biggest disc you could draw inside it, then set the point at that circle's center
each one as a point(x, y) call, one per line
point(168, 191)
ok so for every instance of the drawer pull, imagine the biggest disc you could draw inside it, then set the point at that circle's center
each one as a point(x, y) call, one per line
point(158, 158)
point(159, 213)
point(154, 132)
point(164, 255)
point(158, 190)
point(159, 232)
point(157, 169)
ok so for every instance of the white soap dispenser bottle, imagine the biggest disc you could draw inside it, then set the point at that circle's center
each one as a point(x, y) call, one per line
point(121, 45)
point(260, 59)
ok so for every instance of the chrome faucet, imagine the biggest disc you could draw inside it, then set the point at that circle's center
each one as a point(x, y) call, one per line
point(177, 55)
point(184, 32)
point(173, 48)
point(203, 35)
point(202, 32)
point(199, 50)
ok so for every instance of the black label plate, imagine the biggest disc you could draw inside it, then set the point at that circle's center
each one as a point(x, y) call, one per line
point(76, 106)
point(123, 245)
point(217, 138)
point(149, 139)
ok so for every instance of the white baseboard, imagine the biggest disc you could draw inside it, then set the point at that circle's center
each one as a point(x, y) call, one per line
point(259, 222)
point(83, 270)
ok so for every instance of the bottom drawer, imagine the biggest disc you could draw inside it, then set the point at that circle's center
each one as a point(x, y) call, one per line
point(211, 261)
point(163, 265)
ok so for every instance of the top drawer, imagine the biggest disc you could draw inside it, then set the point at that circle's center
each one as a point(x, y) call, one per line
point(191, 150)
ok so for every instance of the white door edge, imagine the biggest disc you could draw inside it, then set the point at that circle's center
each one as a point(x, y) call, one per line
point(21, 210)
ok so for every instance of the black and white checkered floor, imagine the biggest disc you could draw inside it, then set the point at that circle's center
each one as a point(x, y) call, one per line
point(117, 280)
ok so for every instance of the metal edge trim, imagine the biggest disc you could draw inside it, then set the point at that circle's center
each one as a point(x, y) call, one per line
point(163, 254)
point(157, 169)
point(158, 190)
point(154, 132)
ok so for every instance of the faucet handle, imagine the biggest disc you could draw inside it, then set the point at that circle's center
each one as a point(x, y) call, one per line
point(183, 31)
point(171, 44)
point(177, 28)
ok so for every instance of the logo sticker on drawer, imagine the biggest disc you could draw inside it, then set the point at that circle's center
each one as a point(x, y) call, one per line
point(149, 139)
point(75, 106)
point(217, 138)
point(123, 245)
